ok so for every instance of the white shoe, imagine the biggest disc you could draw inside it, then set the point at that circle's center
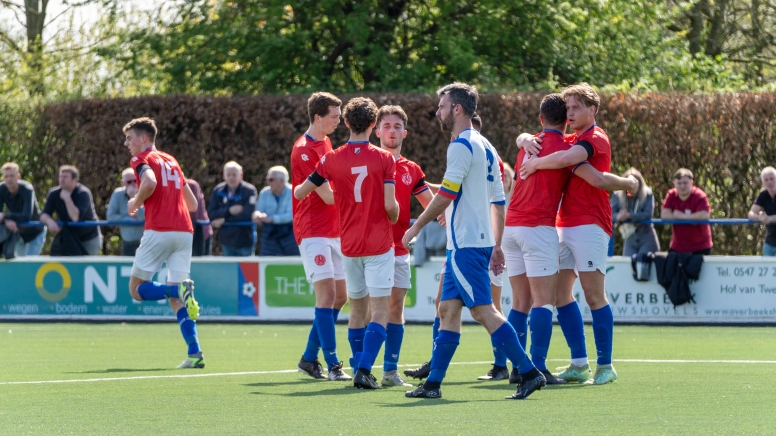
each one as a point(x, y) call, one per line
point(392, 378)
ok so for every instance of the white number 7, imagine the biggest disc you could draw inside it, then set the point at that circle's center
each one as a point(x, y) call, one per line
point(361, 171)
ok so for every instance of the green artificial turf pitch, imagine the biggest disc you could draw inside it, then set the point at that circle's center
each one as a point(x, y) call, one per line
point(672, 380)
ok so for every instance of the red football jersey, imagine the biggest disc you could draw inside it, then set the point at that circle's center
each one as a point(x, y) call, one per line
point(410, 181)
point(312, 217)
point(535, 200)
point(165, 209)
point(582, 203)
point(359, 170)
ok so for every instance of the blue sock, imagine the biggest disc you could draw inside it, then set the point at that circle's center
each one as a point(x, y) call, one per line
point(444, 348)
point(603, 331)
point(153, 291)
point(519, 321)
point(373, 341)
point(541, 333)
point(336, 314)
point(324, 323)
point(313, 344)
point(393, 340)
point(188, 330)
point(356, 339)
point(435, 332)
point(570, 320)
point(505, 339)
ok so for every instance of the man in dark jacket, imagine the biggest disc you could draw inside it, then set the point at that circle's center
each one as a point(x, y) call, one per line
point(17, 198)
point(234, 201)
point(72, 203)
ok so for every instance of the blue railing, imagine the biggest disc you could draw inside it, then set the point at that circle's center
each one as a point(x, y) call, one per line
point(714, 221)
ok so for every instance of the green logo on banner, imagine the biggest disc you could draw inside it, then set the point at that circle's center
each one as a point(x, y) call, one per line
point(286, 286)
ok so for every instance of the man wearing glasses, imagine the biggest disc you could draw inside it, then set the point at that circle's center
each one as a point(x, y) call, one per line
point(274, 213)
point(117, 211)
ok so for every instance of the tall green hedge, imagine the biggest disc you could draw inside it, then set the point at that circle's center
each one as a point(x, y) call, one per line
point(725, 139)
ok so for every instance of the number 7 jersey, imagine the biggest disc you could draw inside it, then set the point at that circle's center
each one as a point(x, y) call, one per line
point(359, 172)
point(166, 209)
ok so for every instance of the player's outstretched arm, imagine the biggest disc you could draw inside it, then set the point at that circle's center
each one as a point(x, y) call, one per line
point(433, 188)
point(606, 181)
point(147, 187)
point(425, 197)
point(560, 159)
point(391, 205)
point(305, 189)
point(438, 205)
point(324, 191)
point(190, 198)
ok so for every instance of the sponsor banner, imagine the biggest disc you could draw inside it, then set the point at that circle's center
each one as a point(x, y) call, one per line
point(730, 290)
point(43, 286)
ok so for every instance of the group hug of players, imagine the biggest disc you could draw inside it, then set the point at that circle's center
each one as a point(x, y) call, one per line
point(352, 223)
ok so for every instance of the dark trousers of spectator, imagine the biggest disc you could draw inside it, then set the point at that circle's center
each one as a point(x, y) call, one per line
point(278, 240)
point(200, 246)
point(705, 252)
point(128, 248)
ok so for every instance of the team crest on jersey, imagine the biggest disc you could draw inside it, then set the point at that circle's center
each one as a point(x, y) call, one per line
point(323, 159)
point(305, 158)
point(320, 260)
point(406, 178)
point(358, 150)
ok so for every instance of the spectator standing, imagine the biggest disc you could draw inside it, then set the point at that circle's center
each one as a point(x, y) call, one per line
point(203, 243)
point(639, 238)
point(764, 209)
point(687, 202)
point(274, 214)
point(234, 201)
point(18, 197)
point(73, 203)
point(117, 211)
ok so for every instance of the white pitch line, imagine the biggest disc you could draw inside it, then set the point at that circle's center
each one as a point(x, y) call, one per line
point(286, 371)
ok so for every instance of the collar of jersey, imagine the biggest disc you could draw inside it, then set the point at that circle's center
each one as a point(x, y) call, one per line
point(552, 131)
point(358, 143)
point(591, 128)
point(459, 135)
point(313, 139)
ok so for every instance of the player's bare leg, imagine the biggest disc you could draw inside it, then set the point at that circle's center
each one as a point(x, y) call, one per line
point(177, 294)
point(570, 320)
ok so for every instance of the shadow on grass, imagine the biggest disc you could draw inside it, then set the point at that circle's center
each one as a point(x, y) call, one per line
point(344, 390)
point(505, 387)
point(280, 383)
point(426, 402)
point(113, 370)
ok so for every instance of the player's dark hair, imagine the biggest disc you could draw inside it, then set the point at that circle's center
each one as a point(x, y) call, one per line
point(553, 109)
point(682, 172)
point(584, 93)
point(477, 121)
point(360, 113)
point(142, 126)
point(319, 104)
point(391, 110)
point(463, 94)
point(70, 169)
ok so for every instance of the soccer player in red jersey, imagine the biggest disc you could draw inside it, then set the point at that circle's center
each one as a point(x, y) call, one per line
point(584, 226)
point(364, 193)
point(168, 232)
point(317, 232)
point(410, 180)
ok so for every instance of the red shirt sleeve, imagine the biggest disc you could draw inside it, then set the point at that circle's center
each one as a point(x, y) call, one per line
point(421, 184)
point(305, 159)
point(389, 169)
point(701, 202)
point(668, 203)
point(321, 168)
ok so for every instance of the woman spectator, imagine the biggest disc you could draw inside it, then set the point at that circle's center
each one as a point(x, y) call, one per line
point(639, 238)
point(274, 214)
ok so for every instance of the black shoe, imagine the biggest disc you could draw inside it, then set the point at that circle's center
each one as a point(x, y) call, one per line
point(313, 369)
point(422, 392)
point(419, 373)
point(496, 373)
point(514, 377)
point(532, 381)
point(362, 380)
point(551, 379)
